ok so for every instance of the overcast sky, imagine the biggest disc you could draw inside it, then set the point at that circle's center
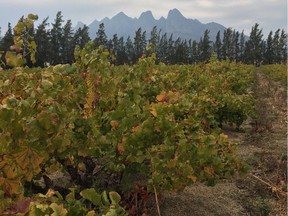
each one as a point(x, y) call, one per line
point(238, 14)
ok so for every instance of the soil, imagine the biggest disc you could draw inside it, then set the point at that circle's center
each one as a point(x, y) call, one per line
point(263, 146)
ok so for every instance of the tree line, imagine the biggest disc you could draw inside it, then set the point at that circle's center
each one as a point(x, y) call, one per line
point(56, 44)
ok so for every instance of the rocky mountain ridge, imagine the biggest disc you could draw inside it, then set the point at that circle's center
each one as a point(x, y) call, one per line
point(175, 24)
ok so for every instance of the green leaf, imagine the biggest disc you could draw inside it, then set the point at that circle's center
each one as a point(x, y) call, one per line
point(33, 16)
point(91, 213)
point(37, 210)
point(59, 210)
point(19, 27)
point(14, 60)
point(105, 198)
point(111, 212)
point(32, 48)
point(46, 84)
point(70, 198)
point(114, 197)
point(91, 195)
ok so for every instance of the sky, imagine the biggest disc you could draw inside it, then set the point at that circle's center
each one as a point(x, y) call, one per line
point(238, 14)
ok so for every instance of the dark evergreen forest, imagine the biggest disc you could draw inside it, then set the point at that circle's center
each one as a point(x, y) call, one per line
point(56, 42)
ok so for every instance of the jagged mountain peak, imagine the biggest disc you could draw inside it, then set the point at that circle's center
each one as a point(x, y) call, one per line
point(79, 25)
point(175, 24)
point(120, 15)
point(147, 15)
point(175, 13)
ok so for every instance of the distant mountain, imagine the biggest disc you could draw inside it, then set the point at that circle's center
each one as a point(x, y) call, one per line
point(79, 25)
point(175, 24)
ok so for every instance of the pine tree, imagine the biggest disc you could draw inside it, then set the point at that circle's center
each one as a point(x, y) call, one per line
point(218, 46)
point(138, 45)
point(236, 45)
point(283, 46)
point(109, 47)
point(227, 47)
point(5, 44)
point(7, 40)
point(81, 36)
point(182, 52)
point(254, 46)
point(113, 48)
point(143, 43)
point(276, 47)
point(269, 52)
point(42, 39)
point(241, 46)
point(56, 40)
point(200, 50)
point(154, 39)
point(170, 50)
point(129, 51)
point(162, 50)
point(194, 52)
point(121, 52)
point(101, 37)
point(206, 48)
point(67, 44)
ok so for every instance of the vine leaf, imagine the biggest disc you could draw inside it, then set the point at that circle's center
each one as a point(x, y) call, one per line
point(14, 60)
point(28, 157)
point(114, 197)
point(193, 178)
point(91, 195)
point(9, 167)
point(10, 186)
point(91, 213)
point(209, 170)
point(59, 210)
point(29, 160)
point(153, 111)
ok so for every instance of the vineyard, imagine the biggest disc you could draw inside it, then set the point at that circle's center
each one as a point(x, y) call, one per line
point(117, 134)
point(276, 73)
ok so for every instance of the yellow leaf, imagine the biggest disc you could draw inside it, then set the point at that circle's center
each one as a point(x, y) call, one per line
point(153, 111)
point(173, 96)
point(91, 213)
point(59, 210)
point(81, 167)
point(209, 171)
point(50, 193)
point(161, 97)
point(223, 136)
point(114, 124)
point(193, 178)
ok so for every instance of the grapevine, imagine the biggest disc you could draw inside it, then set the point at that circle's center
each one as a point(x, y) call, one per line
point(145, 126)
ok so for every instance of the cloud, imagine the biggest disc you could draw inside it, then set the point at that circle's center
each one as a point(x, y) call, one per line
point(239, 14)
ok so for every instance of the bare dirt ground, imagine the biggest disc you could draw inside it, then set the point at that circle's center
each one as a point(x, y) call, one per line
point(262, 145)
